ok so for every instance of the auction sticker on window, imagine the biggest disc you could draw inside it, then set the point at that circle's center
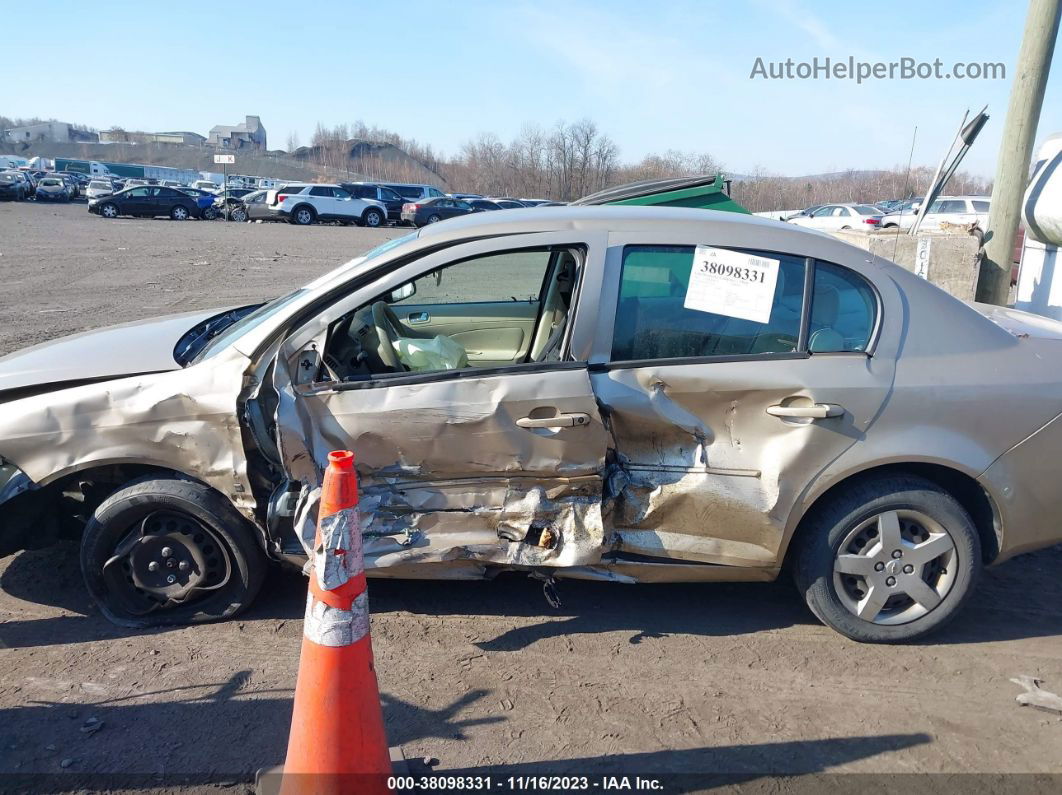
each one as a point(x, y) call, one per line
point(730, 283)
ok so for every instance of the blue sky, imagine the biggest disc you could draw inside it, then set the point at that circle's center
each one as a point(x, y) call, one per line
point(653, 75)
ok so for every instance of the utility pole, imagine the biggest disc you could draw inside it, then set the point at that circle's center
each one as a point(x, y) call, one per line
point(1015, 148)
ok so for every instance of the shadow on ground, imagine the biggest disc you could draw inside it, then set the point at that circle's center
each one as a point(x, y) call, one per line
point(147, 744)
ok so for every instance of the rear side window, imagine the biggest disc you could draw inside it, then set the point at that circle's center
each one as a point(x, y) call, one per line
point(948, 206)
point(406, 191)
point(652, 321)
point(843, 311)
point(319, 191)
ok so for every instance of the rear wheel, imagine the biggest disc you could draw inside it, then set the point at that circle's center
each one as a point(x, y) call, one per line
point(168, 551)
point(109, 210)
point(434, 219)
point(179, 213)
point(303, 216)
point(888, 560)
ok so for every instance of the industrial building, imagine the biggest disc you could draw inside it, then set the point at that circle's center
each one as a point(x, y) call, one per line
point(119, 136)
point(250, 134)
point(55, 132)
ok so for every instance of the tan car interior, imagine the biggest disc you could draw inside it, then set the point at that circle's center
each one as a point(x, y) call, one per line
point(491, 332)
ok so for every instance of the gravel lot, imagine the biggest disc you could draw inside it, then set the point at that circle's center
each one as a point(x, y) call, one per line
point(707, 678)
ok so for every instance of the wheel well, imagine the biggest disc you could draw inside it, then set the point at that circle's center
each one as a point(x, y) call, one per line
point(307, 205)
point(967, 491)
point(39, 517)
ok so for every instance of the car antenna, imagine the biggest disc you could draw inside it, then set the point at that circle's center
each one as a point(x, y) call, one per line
point(903, 199)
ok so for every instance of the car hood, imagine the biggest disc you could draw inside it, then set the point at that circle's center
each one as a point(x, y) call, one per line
point(144, 346)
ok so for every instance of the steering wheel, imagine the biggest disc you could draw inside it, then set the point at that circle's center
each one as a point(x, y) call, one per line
point(387, 324)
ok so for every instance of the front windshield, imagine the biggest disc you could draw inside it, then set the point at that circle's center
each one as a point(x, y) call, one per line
point(246, 323)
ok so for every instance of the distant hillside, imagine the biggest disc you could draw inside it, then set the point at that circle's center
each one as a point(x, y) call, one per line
point(377, 160)
point(829, 176)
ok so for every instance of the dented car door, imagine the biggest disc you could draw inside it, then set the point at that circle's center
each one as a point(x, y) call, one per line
point(464, 468)
point(724, 407)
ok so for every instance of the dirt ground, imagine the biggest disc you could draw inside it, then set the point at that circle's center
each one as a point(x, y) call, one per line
point(706, 679)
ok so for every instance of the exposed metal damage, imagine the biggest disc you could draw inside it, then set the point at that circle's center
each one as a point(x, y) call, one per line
point(513, 499)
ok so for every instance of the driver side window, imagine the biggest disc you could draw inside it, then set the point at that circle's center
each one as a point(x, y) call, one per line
point(491, 310)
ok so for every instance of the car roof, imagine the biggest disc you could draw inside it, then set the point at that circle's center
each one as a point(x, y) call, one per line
point(762, 233)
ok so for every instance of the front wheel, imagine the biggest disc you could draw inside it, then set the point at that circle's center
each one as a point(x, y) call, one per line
point(109, 210)
point(373, 218)
point(179, 213)
point(238, 214)
point(888, 560)
point(168, 552)
point(210, 213)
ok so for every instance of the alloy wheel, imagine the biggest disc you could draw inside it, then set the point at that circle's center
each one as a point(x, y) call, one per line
point(895, 567)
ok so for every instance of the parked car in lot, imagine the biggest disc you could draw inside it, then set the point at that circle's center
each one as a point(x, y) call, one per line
point(12, 186)
point(98, 188)
point(206, 201)
point(254, 207)
point(73, 180)
point(807, 211)
point(431, 211)
point(483, 205)
point(411, 191)
point(774, 398)
point(147, 201)
point(946, 209)
point(831, 217)
point(371, 190)
point(305, 204)
point(53, 189)
point(506, 203)
point(29, 183)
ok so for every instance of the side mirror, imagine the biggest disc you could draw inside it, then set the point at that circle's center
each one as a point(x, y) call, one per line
point(401, 293)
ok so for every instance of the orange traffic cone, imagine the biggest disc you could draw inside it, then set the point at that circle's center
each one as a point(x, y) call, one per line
point(337, 741)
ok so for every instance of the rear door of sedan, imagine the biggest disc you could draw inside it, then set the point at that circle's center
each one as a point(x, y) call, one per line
point(729, 376)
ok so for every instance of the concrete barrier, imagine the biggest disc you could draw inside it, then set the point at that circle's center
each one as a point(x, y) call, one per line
point(947, 258)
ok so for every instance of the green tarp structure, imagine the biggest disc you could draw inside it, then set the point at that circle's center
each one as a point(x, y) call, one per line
point(704, 192)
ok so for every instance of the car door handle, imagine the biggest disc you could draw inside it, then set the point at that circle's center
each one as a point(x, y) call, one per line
point(816, 411)
point(418, 317)
point(572, 420)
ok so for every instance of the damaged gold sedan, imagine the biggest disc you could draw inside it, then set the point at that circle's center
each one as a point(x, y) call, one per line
point(625, 394)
